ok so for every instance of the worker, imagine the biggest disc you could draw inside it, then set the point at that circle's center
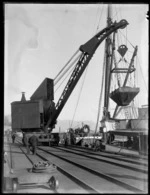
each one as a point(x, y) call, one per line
point(13, 137)
point(135, 143)
point(85, 144)
point(33, 141)
point(66, 141)
point(26, 142)
point(129, 142)
point(98, 145)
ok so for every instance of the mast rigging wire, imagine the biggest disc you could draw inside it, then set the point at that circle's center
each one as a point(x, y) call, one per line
point(85, 73)
point(127, 39)
point(142, 75)
point(65, 71)
point(100, 98)
point(78, 97)
point(96, 17)
point(66, 64)
point(64, 78)
point(100, 19)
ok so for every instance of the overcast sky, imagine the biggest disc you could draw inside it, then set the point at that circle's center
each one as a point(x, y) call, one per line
point(41, 38)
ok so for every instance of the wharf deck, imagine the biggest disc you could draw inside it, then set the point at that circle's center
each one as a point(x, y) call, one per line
point(17, 166)
point(78, 170)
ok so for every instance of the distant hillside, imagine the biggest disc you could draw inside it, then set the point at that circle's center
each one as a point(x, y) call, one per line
point(63, 125)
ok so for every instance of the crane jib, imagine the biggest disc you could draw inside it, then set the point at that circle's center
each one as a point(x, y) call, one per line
point(91, 45)
point(87, 50)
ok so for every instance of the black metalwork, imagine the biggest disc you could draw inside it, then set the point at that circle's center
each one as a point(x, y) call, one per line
point(87, 50)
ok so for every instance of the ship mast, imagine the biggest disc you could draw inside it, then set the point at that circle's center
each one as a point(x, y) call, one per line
point(123, 95)
point(108, 55)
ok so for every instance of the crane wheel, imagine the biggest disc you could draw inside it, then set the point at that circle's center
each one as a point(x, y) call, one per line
point(53, 183)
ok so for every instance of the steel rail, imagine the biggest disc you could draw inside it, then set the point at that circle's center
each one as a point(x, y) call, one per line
point(112, 157)
point(102, 175)
point(82, 149)
point(70, 176)
point(73, 178)
point(99, 174)
point(30, 186)
point(25, 153)
point(106, 161)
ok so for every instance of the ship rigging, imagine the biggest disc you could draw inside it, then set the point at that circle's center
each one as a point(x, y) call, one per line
point(120, 86)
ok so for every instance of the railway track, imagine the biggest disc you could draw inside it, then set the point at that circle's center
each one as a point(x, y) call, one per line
point(94, 173)
point(137, 166)
point(80, 185)
point(115, 156)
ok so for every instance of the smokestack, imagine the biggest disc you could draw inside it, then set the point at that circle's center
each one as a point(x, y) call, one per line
point(23, 99)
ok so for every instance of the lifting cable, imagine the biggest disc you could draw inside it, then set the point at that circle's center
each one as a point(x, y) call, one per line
point(142, 75)
point(135, 114)
point(79, 97)
point(115, 14)
point(96, 17)
point(118, 75)
point(137, 98)
point(101, 92)
point(64, 78)
point(102, 83)
point(66, 65)
point(83, 78)
point(65, 71)
point(127, 40)
point(99, 19)
point(135, 75)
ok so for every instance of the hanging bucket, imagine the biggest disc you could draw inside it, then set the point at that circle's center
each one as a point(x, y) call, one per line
point(124, 95)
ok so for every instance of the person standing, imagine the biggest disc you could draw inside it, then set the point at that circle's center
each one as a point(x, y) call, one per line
point(26, 142)
point(98, 145)
point(33, 140)
point(129, 142)
point(13, 137)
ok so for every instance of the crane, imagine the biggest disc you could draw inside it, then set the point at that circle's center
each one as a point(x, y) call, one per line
point(40, 113)
point(88, 49)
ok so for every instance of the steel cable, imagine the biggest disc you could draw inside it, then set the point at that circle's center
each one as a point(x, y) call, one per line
point(65, 66)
